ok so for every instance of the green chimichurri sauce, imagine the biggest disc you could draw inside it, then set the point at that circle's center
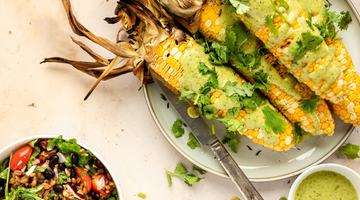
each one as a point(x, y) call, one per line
point(326, 185)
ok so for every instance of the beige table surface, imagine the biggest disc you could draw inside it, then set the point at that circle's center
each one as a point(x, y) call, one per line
point(115, 121)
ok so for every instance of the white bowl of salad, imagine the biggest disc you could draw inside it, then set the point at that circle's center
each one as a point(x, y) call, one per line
point(52, 168)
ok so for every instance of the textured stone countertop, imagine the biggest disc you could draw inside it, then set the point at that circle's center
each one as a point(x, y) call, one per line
point(115, 121)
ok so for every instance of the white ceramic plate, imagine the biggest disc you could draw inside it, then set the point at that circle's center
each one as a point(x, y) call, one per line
point(5, 152)
point(261, 164)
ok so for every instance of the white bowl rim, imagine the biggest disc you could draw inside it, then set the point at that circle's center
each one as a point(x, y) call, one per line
point(30, 138)
point(341, 169)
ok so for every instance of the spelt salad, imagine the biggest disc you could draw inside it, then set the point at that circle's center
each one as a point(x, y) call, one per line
point(53, 169)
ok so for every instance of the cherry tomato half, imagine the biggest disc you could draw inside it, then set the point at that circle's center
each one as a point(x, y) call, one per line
point(85, 178)
point(98, 185)
point(20, 158)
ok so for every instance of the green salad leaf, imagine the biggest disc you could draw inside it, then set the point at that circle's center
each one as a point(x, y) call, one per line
point(70, 146)
point(25, 193)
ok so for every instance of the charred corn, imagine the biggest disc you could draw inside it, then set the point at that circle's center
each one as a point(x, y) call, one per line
point(285, 92)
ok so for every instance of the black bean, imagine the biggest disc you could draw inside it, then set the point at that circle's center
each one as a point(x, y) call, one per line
point(2, 191)
point(58, 188)
point(48, 174)
point(53, 161)
point(61, 166)
point(95, 196)
point(2, 182)
point(72, 173)
point(74, 160)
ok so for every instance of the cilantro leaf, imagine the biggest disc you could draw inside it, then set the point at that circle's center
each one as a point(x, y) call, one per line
point(299, 134)
point(250, 60)
point(203, 68)
point(260, 79)
point(236, 36)
point(327, 29)
point(180, 171)
point(309, 105)
point(177, 129)
point(213, 82)
point(311, 43)
point(208, 111)
point(232, 113)
point(231, 141)
point(309, 21)
point(241, 6)
point(344, 20)
point(142, 195)
point(350, 150)
point(63, 178)
point(234, 125)
point(188, 94)
point(273, 121)
point(162, 96)
point(219, 53)
point(192, 142)
point(269, 23)
point(283, 4)
point(278, 11)
point(202, 41)
point(243, 90)
point(201, 171)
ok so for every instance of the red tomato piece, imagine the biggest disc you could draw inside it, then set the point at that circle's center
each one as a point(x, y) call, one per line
point(20, 158)
point(85, 178)
point(98, 185)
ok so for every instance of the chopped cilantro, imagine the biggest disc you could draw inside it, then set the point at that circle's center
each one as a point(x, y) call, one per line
point(180, 171)
point(260, 79)
point(350, 150)
point(63, 178)
point(162, 96)
point(241, 6)
point(309, 21)
point(311, 43)
point(202, 41)
point(201, 171)
point(192, 142)
point(236, 36)
point(234, 88)
point(273, 121)
point(269, 23)
point(219, 53)
point(188, 94)
point(344, 20)
point(231, 141)
point(203, 68)
point(251, 60)
point(309, 105)
point(213, 82)
point(142, 195)
point(327, 28)
point(177, 129)
point(234, 125)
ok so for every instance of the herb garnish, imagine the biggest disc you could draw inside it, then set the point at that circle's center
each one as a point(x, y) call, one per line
point(231, 141)
point(192, 142)
point(180, 171)
point(350, 150)
point(309, 105)
point(269, 23)
point(260, 79)
point(311, 43)
point(201, 171)
point(177, 129)
point(273, 121)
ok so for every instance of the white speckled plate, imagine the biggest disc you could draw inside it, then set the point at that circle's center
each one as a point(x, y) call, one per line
point(259, 163)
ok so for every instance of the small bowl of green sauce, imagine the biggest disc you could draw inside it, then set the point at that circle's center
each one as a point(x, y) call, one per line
point(328, 182)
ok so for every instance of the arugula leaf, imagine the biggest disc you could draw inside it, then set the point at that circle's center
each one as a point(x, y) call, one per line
point(241, 6)
point(344, 20)
point(350, 150)
point(36, 151)
point(63, 178)
point(68, 161)
point(52, 195)
point(142, 195)
point(3, 173)
point(180, 171)
point(309, 105)
point(192, 142)
point(52, 142)
point(236, 36)
point(260, 79)
point(177, 129)
point(33, 142)
point(309, 21)
point(273, 121)
point(38, 169)
point(201, 171)
point(71, 146)
point(269, 23)
point(231, 141)
point(203, 68)
point(219, 54)
point(25, 193)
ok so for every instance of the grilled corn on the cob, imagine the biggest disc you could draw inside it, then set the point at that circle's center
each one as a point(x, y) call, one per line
point(318, 68)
